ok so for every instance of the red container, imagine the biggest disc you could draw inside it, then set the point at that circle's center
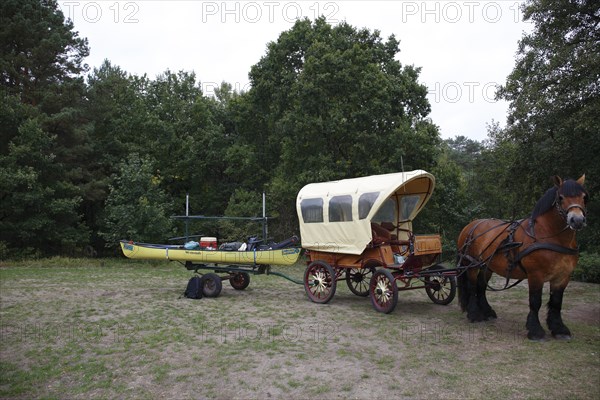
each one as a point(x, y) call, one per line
point(209, 243)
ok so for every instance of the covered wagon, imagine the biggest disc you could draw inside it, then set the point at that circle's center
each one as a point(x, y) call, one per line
point(360, 230)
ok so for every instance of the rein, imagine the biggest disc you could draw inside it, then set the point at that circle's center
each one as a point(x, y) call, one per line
point(510, 247)
point(515, 251)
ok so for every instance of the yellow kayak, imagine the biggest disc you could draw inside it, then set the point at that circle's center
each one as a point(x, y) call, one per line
point(146, 251)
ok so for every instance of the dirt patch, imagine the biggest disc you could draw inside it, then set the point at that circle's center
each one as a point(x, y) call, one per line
point(124, 331)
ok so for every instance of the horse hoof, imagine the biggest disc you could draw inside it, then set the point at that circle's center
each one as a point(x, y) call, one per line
point(476, 317)
point(536, 337)
point(562, 337)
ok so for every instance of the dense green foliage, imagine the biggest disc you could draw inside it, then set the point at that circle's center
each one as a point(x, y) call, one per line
point(136, 205)
point(554, 97)
point(588, 268)
point(325, 103)
point(44, 145)
point(90, 159)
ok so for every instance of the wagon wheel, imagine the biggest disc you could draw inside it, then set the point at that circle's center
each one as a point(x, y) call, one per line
point(383, 291)
point(319, 282)
point(212, 285)
point(358, 280)
point(240, 280)
point(440, 289)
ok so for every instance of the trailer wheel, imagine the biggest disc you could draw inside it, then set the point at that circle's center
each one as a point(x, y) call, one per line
point(358, 280)
point(320, 282)
point(212, 285)
point(240, 280)
point(440, 289)
point(383, 291)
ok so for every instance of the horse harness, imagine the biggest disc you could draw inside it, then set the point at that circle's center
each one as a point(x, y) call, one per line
point(510, 248)
point(561, 211)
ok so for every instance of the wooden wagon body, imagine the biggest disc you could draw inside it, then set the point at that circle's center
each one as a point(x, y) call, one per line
point(360, 230)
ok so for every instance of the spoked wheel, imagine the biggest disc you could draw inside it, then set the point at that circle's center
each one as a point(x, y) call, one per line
point(383, 291)
point(319, 282)
point(212, 285)
point(358, 280)
point(240, 280)
point(440, 289)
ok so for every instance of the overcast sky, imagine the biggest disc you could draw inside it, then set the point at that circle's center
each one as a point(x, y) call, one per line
point(465, 48)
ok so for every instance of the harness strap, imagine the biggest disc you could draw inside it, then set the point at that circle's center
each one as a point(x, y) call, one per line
point(546, 246)
point(530, 249)
point(511, 249)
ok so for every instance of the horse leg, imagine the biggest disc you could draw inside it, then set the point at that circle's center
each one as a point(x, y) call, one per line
point(555, 324)
point(486, 310)
point(468, 282)
point(534, 328)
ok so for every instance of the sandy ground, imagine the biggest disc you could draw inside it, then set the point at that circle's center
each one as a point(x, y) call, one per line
point(102, 332)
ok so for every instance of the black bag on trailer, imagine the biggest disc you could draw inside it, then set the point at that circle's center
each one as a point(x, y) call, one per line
point(194, 288)
point(232, 246)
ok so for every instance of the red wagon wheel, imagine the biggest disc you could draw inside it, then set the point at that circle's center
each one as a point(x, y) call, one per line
point(240, 280)
point(383, 291)
point(358, 280)
point(319, 282)
point(440, 289)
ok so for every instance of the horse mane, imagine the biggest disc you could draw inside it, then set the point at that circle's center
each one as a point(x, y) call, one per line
point(569, 188)
point(544, 203)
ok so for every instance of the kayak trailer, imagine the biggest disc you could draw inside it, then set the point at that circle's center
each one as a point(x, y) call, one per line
point(234, 261)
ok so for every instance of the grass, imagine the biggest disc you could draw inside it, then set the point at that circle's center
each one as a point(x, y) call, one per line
point(74, 328)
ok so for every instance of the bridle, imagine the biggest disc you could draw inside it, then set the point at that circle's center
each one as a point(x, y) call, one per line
point(565, 212)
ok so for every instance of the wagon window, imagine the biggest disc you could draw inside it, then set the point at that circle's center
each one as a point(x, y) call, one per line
point(387, 212)
point(312, 210)
point(407, 206)
point(365, 203)
point(340, 208)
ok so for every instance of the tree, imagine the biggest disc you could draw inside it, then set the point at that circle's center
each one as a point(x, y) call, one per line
point(242, 204)
point(496, 192)
point(554, 96)
point(116, 118)
point(44, 142)
point(137, 208)
point(555, 79)
point(328, 103)
point(40, 50)
point(464, 151)
point(181, 132)
point(447, 212)
point(38, 213)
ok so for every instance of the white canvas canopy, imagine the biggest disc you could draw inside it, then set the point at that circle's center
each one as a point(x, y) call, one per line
point(337, 216)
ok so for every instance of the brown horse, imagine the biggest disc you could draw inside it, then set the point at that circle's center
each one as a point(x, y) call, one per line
point(541, 248)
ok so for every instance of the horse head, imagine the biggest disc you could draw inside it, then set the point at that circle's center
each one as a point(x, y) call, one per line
point(571, 200)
